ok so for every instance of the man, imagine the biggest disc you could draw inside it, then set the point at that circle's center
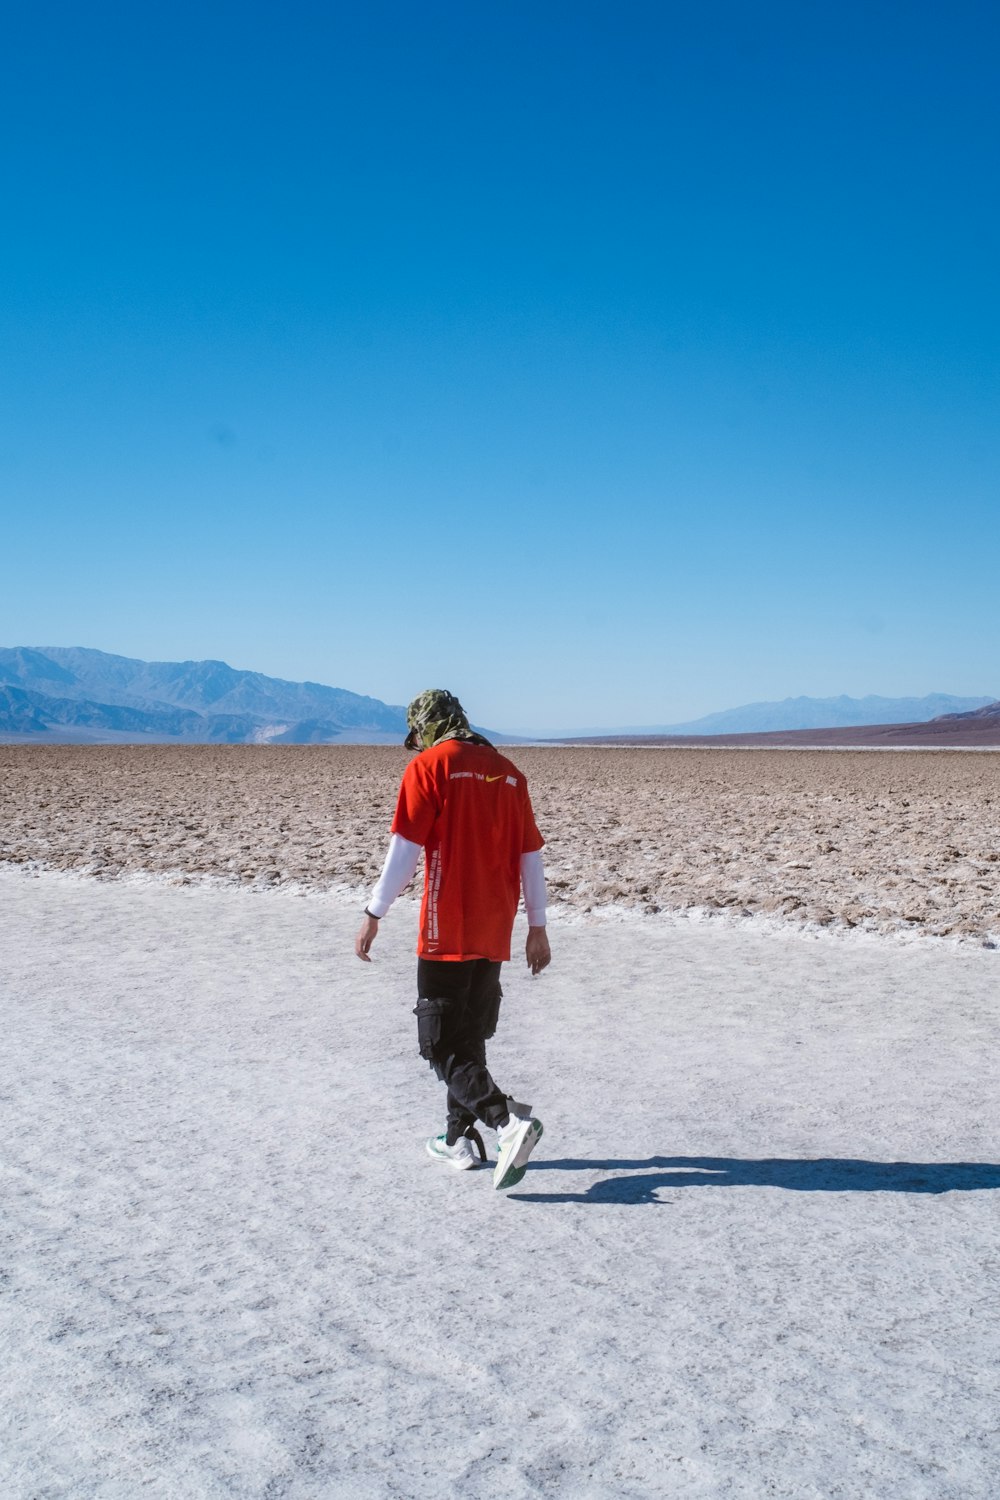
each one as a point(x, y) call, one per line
point(467, 808)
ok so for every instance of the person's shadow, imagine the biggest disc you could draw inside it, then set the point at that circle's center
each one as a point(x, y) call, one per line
point(644, 1181)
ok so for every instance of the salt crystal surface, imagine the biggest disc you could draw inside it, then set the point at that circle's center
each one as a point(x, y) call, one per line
point(755, 1252)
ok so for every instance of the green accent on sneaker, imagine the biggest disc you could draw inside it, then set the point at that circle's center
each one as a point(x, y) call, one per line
point(462, 1155)
point(512, 1161)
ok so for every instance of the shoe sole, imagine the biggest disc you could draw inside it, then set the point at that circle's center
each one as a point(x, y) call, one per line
point(465, 1165)
point(518, 1164)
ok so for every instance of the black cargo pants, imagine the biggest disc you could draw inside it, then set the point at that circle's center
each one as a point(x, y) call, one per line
point(457, 1009)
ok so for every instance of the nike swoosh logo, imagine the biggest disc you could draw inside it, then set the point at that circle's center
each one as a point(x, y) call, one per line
point(494, 778)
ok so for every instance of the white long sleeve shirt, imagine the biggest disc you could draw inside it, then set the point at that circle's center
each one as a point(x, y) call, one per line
point(401, 865)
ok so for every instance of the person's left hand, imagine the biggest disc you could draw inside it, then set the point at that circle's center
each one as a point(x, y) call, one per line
point(537, 950)
point(367, 934)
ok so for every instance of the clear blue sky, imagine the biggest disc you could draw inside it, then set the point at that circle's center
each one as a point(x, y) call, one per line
point(608, 364)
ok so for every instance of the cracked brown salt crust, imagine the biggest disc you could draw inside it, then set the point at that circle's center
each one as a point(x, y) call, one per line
point(885, 842)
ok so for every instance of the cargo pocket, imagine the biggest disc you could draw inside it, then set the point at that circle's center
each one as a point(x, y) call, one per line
point(491, 1014)
point(430, 1022)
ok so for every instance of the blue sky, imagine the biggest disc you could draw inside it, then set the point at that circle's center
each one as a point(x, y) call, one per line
point(607, 364)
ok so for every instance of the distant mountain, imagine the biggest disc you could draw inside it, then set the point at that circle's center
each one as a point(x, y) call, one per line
point(821, 713)
point(72, 693)
point(39, 716)
point(989, 715)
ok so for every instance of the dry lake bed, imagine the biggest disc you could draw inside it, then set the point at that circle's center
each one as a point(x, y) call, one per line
point(881, 840)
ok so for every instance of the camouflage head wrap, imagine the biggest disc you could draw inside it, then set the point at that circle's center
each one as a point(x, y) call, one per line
point(436, 715)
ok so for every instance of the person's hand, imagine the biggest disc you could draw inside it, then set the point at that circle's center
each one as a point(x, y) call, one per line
point(367, 934)
point(537, 950)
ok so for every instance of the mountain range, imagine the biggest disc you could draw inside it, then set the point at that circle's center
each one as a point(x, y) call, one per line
point(976, 729)
point(73, 694)
point(814, 713)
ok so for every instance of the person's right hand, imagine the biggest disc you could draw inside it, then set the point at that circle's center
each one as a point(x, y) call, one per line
point(537, 950)
point(367, 933)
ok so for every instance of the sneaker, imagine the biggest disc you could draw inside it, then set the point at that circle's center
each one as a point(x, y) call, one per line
point(462, 1155)
point(515, 1142)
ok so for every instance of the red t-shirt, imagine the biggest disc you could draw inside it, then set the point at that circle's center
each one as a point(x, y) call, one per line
point(469, 807)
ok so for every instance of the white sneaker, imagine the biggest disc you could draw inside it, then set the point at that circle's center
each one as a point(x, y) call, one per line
point(515, 1142)
point(462, 1155)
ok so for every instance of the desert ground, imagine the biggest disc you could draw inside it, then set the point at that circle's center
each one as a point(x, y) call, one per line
point(882, 840)
point(755, 1252)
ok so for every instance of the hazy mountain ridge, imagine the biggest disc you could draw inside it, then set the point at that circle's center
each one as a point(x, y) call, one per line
point(60, 692)
point(814, 713)
point(986, 715)
point(23, 711)
point(203, 686)
point(75, 693)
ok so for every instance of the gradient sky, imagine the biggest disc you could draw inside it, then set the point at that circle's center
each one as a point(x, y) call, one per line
point(608, 364)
